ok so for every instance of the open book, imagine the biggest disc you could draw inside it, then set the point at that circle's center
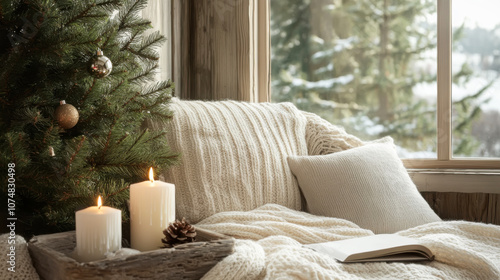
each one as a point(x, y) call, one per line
point(375, 248)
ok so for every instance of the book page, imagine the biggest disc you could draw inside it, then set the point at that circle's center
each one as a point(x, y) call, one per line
point(380, 245)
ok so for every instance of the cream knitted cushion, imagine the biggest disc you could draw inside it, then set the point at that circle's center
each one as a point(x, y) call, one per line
point(234, 156)
point(367, 185)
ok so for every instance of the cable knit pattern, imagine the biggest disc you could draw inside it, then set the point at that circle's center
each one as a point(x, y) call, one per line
point(463, 250)
point(324, 138)
point(233, 155)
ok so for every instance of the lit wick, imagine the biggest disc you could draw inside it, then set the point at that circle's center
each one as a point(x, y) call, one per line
point(151, 175)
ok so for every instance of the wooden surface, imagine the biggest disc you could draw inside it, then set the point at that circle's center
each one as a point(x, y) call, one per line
point(178, 12)
point(476, 207)
point(263, 52)
point(454, 180)
point(50, 254)
point(217, 45)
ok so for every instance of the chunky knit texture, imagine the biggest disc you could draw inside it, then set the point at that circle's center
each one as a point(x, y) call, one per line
point(324, 138)
point(233, 156)
point(24, 269)
point(463, 250)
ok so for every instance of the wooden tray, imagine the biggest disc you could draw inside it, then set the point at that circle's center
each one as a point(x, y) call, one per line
point(50, 255)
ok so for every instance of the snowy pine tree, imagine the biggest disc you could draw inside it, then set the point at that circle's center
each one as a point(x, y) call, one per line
point(355, 64)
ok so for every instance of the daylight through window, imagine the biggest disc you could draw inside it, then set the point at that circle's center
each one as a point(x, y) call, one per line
point(371, 66)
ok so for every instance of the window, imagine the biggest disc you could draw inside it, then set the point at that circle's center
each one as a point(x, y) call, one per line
point(389, 68)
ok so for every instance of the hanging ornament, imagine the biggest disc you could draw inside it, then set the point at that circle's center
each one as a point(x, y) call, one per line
point(66, 115)
point(99, 65)
point(51, 151)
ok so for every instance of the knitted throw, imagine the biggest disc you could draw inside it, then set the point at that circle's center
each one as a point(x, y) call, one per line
point(270, 238)
point(23, 269)
point(233, 156)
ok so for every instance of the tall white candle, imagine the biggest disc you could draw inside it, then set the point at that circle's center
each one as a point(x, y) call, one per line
point(152, 208)
point(98, 231)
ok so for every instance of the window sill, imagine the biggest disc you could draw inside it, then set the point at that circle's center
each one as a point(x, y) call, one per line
point(456, 180)
point(460, 163)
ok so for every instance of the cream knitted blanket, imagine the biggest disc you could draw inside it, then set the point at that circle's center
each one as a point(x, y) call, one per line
point(269, 246)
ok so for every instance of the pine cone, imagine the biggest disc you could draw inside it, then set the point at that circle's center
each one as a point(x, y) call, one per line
point(178, 232)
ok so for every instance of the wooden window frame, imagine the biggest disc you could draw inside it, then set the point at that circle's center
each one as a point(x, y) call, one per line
point(220, 49)
point(445, 157)
point(444, 173)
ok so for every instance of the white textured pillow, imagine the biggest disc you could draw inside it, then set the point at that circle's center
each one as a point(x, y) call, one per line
point(234, 156)
point(367, 185)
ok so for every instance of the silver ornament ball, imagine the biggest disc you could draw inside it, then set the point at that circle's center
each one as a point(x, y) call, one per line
point(99, 65)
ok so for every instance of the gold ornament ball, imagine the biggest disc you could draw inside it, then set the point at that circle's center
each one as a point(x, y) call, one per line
point(66, 115)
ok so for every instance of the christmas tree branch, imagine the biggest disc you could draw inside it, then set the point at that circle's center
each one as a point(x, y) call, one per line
point(82, 177)
point(138, 165)
point(156, 137)
point(137, 6)
point(117, 87)
point(117, 192)
point(131, 99)
point(123, 138)
point(73, 156)
point(154, 39)
point(161, 116)
point(11, 145)
point(156, 103)
point(141, 54)
point(84, 97)
point(39, 195)
point(108, 139)
point(79, 16)
point(137, 140)
point(70, 91)
point(158, 88)
point(108, 3)
point(145, 23)
point(66, 195)
point(84, 13)
point(47, 133)
point(109, 35)
point(144, 74)
point(129, 41)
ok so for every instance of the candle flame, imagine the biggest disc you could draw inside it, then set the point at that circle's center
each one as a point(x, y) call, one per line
point(151, 175)
point(99, 202)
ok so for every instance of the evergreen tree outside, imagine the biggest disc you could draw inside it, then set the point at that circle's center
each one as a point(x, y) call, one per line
point(44, 53)
point(358, 63)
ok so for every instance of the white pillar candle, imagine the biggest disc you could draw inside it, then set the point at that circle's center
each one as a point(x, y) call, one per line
point(98, 231)
point(152, 208)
